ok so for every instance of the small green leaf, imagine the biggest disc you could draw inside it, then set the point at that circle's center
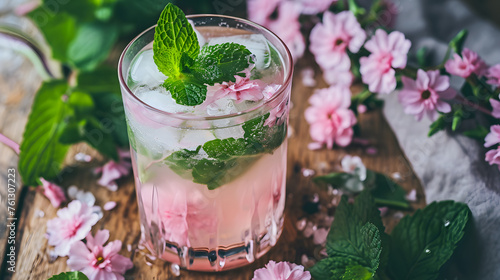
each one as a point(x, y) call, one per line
point(385, 191)
point(357, 272)
point(422, 57)
point(73, 131)
point(423, 243)
point(457, 43)
point(219, 63)
point(81, 102)
point(59, 30)
point(458, 115)
point(336, 180)
point(173, 37)
point(102, 79)
point(92, 45)
point(187, 91)
point(225, 148)
point(479, 132)
point(438, 125)
point(72, 275)
point(323, 269)
point(41, 153)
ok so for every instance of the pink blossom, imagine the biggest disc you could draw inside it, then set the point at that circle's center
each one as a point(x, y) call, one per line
point(493, 75)
point(53, 192)
point(464, 66)
point(260, 10)
point(277, 112)
point(99, 262)
point(113, 170)
point(287, 27)
point(330, 118)
point(281, 271)
point(388, 51)
point(426, 94)
point(495, 104)
point(312, 7)
point(493, 137)
point(493, 157)
point(331, 39)
point(72, 224)
point(27, 7)
point(389, 13)
point(340, 74)
point(243, 89)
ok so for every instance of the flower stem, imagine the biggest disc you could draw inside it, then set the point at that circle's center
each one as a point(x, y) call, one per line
point(473, 105)
point(10, 143)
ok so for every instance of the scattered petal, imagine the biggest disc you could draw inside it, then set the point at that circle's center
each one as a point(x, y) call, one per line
point(281, 270)
point(320, 236)
point(81, 157)
point(109, 205)
point(301, 224)
point(412, 196)
point(307, 75)
point(53, 192)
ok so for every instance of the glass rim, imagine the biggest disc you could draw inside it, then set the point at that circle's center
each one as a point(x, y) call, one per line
point(279, 93)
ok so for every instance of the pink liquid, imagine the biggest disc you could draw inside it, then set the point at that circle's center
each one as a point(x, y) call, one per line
point(212, 230)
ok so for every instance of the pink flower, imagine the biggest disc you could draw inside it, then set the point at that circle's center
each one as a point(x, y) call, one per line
point(464, 66)
point(53, 192)
point(113, 170)
point(312, 7)
point(243, 89)
point(72, 224)
point(388, 52)
point(495, 104)
point(493, 137)
point(287, 27)
point(99, 262)
point(329, 117)
point(389, 14)
point(281, 271)
point(426, 94)
point(277, 112)
point(493, 157)
point(340, 74)
point(493, 75)
point(260, 10)
point(331, 39)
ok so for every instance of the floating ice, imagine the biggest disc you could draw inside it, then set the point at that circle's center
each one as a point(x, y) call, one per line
point(143, 71)
point(255, 43)
point(161, 99)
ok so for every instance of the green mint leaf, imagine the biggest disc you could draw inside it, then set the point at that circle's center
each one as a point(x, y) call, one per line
point(437, 125)
point(59, 30)
point(186, 91)
point(423, 243)
point(355, 238)
point(357, 272)
point(92, 44)
point(174, 36)
point(479, 132)
point(101, 80)
point(225, 148)
point(72, 275)
point(41, 153)
point(219, 63)
point(457, 43)
point(262, 138)
point(183, 161)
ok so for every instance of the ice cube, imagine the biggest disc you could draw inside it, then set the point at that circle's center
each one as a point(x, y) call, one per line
point(255, 43)
point(161, 99)
point(144, 71)
point(220, 107)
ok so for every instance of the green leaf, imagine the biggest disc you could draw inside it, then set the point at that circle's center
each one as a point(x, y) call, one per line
point(81, 102)
point(357, 272)
point(458, 115)
point(102, 79)
point(457, 43)
point(438, 125)
point(41, 153)
point(423, 243)
point(109, 111)
point(479, 132)
point(422, 57)
point(98, 135)
point(225, 148)
point(72, 131)
point(59, 30)
point(385, 191)
point(92, 45)
point(262, 138)
point(186, 91)
point(72, 275)
point(323, 269)
point(355, 237)
point(174, 36)
point(336, 180)
point(219, 63)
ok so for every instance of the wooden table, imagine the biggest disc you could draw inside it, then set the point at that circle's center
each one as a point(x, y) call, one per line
point(123, 221)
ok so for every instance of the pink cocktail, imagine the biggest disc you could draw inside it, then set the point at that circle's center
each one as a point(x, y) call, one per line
point(210, 178)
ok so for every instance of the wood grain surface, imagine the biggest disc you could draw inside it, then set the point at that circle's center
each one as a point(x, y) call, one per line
point(123, 222)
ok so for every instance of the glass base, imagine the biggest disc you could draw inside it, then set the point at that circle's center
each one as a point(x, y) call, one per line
point(220, 259)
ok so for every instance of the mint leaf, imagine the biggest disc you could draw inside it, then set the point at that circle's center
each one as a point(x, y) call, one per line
point(92, 44)
point(357, 272)
point(186, 91)
point(181, 162)
point(225, 148)
point(72, 275)
point(219, 63)
point(423, 243)
point(355, 239)
point(101, 80)
point(457, 43)
point(174, 36)
point(41, 153)
point(262, 138)
point(479, 132)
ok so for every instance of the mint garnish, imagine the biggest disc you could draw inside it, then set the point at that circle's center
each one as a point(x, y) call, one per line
point(177, 55)
point(227, 158)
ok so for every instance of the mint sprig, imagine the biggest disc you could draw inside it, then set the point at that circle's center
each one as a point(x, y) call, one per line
point(228, 158)
point(72, 275)
point(177, 54)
